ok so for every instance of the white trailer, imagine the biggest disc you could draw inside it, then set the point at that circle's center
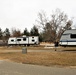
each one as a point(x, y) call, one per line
point(68, 38)
point(24, 40)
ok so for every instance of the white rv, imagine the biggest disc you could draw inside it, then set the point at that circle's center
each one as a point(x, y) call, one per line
point(68, 38)
point(24, 40)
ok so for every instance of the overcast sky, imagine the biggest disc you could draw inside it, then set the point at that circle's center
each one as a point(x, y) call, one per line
point(22, 14)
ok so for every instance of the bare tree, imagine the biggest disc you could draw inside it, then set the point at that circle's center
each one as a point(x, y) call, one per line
point(56, 26)
point(16, 32)
point(58, 22)
point(42, 20)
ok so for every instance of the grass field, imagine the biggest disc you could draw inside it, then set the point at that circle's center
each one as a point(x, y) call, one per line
point(61, 57)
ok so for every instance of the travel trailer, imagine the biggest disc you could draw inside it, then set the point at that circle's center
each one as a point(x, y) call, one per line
point(24, 40)
point(68, 38)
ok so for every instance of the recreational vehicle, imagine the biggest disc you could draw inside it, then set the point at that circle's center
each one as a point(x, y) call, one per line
point(68, 38)
point(24, 40)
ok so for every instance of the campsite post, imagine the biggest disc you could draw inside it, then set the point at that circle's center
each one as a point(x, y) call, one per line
point(24, 50)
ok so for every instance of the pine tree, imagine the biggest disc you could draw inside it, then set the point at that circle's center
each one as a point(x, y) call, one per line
point(34, 31)
point(0, 33)
point(26, 32)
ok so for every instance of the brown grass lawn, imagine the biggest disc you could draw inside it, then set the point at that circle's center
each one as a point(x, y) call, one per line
point(61, 58)
point(45, 58)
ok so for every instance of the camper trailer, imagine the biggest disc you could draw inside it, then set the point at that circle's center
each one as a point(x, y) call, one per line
point(24, 40)
point(68, 38)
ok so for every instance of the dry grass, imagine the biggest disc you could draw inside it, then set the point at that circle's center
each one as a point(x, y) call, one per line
point(35, 48)
point(61, 57)
point(45, 58)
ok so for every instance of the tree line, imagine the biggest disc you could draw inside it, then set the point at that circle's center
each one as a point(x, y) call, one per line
point(49, 30)
point(4, 35)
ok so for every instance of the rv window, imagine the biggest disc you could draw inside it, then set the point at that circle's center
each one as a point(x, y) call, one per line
point(24, 39)
point(33, 40)
point(73, 35)
point(12, 40)
point(18, 39)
